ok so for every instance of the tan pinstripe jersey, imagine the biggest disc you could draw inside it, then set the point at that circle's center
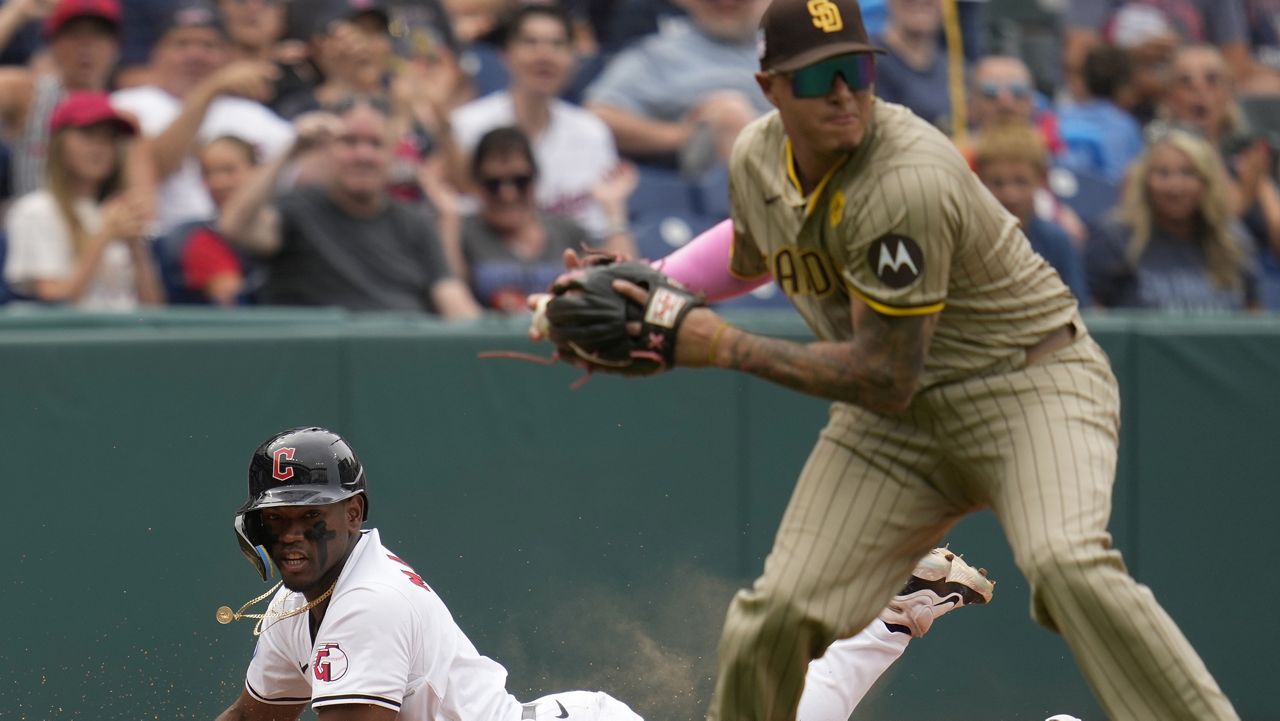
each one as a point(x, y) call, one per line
point(905, 226)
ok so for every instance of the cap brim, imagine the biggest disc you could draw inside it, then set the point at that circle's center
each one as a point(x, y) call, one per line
point(823, 52)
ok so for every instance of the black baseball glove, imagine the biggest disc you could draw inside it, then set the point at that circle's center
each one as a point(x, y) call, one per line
point(588, 320)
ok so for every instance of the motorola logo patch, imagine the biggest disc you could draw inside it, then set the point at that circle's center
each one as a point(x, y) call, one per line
point(896, 260)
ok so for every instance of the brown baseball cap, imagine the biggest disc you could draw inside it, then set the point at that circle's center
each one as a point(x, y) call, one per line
point(796, 33)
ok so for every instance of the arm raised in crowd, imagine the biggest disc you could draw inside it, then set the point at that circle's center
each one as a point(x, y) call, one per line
point(246, 78)
point(248, 219)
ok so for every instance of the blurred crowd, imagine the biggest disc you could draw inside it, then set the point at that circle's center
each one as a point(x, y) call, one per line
point(439, 156)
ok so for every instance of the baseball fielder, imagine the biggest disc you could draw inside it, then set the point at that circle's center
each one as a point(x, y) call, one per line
point(962, 375)
point(355, 631)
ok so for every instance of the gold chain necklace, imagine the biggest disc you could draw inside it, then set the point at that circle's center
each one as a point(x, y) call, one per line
point(225, 615)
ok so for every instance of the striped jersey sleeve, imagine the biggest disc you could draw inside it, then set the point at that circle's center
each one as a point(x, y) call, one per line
point(898, 251)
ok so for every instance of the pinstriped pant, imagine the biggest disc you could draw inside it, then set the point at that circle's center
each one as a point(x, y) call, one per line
point(1038, 445)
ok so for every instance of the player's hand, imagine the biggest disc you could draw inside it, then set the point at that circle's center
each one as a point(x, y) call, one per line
point(254, 79)
point(695, 336)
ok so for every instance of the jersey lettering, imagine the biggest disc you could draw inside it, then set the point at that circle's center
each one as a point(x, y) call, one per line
point(278, 471)
point(413, 577)
point(806, 271)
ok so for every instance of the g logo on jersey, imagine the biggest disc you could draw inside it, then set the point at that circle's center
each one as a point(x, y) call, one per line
point(278, 471)
point(330, 663)
point(896, 260)
point(826, 15)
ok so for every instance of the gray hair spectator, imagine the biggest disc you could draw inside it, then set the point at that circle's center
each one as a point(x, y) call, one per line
point(84, 43)
point(82, 239)
point(199, 96)
point(345, 243)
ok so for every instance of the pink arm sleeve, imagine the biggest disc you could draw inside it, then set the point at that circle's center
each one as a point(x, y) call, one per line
point(702, 265)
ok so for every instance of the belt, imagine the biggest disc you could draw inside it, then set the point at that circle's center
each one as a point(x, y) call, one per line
point(1055, 341)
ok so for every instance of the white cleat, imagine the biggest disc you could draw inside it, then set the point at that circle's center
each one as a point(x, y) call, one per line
point(941, 582)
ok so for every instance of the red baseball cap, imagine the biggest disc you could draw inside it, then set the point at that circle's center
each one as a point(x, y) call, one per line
point(82, 109)
point(68, 10)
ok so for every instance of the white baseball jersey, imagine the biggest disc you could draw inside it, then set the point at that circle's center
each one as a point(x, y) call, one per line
point(386, 639)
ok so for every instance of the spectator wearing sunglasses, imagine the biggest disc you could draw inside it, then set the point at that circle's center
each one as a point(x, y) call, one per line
point(346, 242)
point(573, 147)
point(1100, 137)
point(1001, 94)
point(510, 248)
point(915, 71)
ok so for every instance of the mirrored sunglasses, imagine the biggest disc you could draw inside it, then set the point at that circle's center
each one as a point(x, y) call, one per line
point(816, 80)
point(1018, 91)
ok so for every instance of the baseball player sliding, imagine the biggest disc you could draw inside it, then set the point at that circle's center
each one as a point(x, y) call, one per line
point(961, 373)
point(355, 631)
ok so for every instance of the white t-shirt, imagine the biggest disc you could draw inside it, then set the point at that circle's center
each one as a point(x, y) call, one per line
point(40, 248)
point(386, 639)
point(182, 196)
point(574, 153)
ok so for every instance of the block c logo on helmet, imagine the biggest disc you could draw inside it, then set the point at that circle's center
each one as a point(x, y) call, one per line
point(279, 472)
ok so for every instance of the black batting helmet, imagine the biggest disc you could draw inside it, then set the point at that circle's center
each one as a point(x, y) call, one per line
point(297, 467)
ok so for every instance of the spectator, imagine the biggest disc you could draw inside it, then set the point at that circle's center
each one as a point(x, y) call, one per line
point(1001, 92)
point(1013, 163)
point(1152, 29)
point(198, 97)
point(84, 42)
point(510, 248)
point(686, 87)
point(254, 27)
point(346, 243)
point(1263, 20)
point(573, 147)
point(351, 46)
point(1101, 138)
point(210, 266)
point(1175, 246)
point(141, 24)
point(915, 71)
point(1200, 97)
point(81, 240)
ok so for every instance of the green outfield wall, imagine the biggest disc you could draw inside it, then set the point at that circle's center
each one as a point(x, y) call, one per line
point(586, 539)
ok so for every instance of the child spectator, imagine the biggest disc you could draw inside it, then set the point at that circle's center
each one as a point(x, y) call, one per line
point(1175, 246)
point(210, 266)
point(81, 240)
point(1012, 161)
